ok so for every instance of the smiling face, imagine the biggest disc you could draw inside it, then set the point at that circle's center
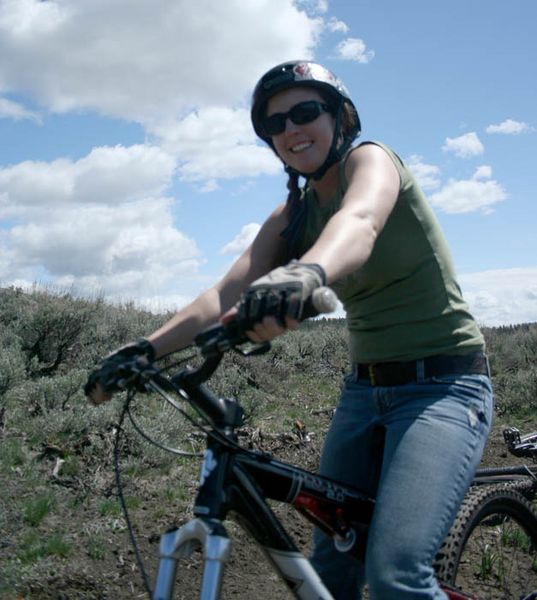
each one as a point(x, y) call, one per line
point(302, 147)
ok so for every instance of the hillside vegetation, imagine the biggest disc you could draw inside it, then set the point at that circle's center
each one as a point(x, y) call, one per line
point(62, 533)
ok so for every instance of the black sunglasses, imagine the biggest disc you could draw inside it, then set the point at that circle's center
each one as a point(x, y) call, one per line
point(300, 114)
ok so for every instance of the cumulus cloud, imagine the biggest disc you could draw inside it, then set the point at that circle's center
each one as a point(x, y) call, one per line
point(428, 176)
point(170, 66)
point(110, 248)
point(510, 127)
point(242, 240)
point(354, 49)
point(72, 55)
point(107, 175)
point(132, 64)
point(503, 296)
point(94, 223)
point(480, 193)
point(464, 146)
point(215, 143)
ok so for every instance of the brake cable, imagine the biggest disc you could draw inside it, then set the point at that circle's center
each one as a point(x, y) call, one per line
point(121, 497)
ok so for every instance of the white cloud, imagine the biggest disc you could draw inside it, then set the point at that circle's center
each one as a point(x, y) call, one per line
point(17, 112)
point(242, 240)
point(181, 70)
point(146, 61)
point(316, 6)
point(111, 248)
point(502, 297)
point(216, 143)
point(132, 64)
point(99, 223)
point(426, 175)
point(238, 161)
point(482, 172)
point(107, 175)
point(336, 26)
point(24, 18)
point(465, 146)
point(354, 49)
point(470, 195)
point(510, 127)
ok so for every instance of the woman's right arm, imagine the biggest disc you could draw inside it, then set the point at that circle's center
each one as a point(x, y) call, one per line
point(264, 254)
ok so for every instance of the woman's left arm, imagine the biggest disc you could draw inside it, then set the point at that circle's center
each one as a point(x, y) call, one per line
point(348, 238)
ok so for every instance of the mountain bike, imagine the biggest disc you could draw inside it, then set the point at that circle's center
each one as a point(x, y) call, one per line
point(240, 482)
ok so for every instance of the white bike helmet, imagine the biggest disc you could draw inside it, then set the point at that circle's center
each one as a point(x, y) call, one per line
point(308, 74)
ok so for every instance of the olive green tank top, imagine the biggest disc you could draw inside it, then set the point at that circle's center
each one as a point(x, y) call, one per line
point(404, 303)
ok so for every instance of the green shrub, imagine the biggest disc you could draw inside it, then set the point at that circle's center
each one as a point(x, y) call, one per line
point(37, 508)
point(13, 453)
point(12, 363)
point(35, 546)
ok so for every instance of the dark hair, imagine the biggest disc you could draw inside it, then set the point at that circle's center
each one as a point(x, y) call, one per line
point(295, 193)
point(349, 119)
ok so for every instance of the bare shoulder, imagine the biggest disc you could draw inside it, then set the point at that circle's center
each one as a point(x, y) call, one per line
point(370, 159)
point(367, 153)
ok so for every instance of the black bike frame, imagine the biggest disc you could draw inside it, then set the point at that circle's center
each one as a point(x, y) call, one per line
point(238, 481)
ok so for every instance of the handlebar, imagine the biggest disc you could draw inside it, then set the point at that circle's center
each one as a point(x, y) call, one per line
point(213, 343)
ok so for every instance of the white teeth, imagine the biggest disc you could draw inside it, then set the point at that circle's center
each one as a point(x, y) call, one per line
point(300, 147)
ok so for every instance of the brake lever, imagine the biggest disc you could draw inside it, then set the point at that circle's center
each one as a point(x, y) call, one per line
point(135, 373)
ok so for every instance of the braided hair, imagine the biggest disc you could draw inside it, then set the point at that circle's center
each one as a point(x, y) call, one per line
point(295, 205)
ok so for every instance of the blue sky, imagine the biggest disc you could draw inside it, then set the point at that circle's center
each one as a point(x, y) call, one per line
point(129, 168)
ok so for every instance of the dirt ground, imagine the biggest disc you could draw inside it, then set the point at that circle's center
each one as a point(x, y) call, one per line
point(114, 573)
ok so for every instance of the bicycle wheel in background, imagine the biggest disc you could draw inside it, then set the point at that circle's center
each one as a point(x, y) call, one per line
point(491, 549)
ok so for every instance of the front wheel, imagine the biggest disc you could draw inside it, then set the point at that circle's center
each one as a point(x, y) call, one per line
point(491, 549)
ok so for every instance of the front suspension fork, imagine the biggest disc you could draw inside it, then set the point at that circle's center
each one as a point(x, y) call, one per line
point(178, 544)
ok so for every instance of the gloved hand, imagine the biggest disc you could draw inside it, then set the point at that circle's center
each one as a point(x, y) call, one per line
point(281, 293)
point(118, 370)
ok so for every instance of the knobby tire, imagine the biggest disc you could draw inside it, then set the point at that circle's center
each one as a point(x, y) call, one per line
point(491, 549)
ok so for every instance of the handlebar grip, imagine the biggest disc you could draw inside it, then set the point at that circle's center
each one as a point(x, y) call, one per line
point(323, 300)
point(220, 338)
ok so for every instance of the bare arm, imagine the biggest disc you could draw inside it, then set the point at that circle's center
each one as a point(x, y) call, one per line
point(264, 254)
point(347, 240)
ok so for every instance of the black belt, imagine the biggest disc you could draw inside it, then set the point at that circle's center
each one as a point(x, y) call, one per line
point(398, 373)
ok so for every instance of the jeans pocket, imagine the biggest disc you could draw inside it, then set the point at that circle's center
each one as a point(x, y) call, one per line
point(470, 381)
point(473, 392)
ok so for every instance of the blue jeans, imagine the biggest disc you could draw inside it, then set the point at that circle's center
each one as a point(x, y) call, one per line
point(414, 447)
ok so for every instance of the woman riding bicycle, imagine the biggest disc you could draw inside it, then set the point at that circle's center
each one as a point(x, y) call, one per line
point(416, 409)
